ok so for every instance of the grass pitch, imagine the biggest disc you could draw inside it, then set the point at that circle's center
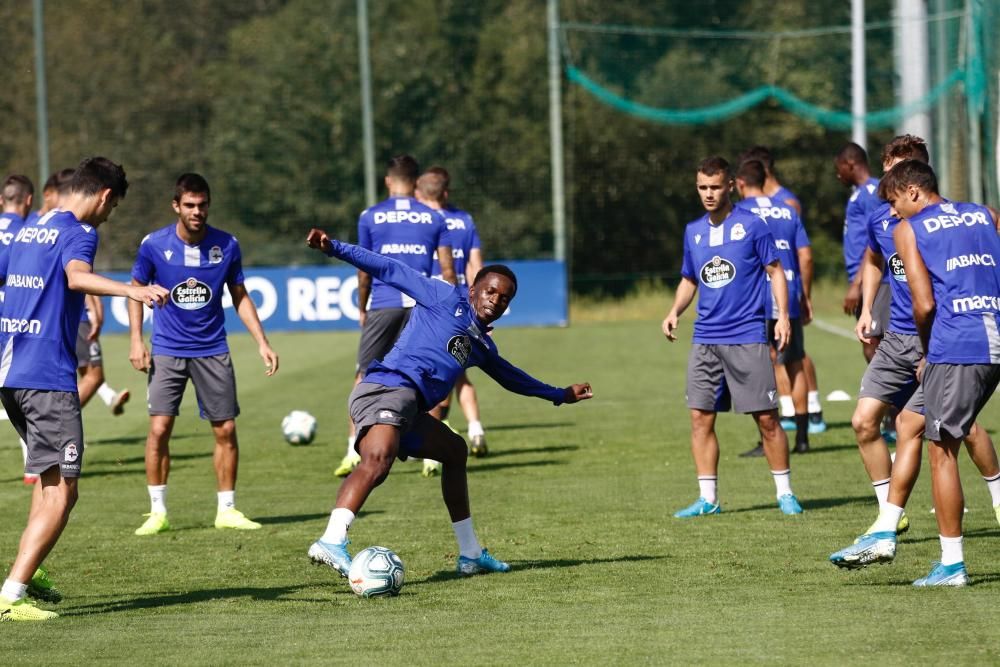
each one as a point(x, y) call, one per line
point(578, 498)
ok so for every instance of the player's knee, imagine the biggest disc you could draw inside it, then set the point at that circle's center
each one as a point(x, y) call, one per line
point(865, 427)
point(159, 432)
point(225, 433)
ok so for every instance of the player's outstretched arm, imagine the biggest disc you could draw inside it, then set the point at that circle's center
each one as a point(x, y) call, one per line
point(682, 299)
point(513, 379)
point(578, 392)
point(80, 277)
point(247, 311)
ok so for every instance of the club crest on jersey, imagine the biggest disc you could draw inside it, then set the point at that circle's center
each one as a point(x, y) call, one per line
point(717, 272)
point(71, 454)
point(215, 255)
point(191, 294)
point(895, 263)
point(459, 347)
point(737, 233)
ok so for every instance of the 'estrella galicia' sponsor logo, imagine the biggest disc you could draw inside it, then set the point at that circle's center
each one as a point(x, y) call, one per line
point(10, 325)
point(70, 454)
point(965, 261)
point(191, 294)
point(416, 217)
point(215, 255)
point(977, 303)
point(28, 282)
point(718, 272)
point(738, 233)
point(460, 347)
point(403, 249)
point(895, 263)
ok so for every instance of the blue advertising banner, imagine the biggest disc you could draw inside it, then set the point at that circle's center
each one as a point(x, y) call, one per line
point(318, 298)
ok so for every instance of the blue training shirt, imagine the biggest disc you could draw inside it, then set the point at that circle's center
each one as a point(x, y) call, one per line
point(442, 338)
point(727, 262)
point(192, 323)
point(10, 225)
point(784, 195)
point(464, 237)
point(880, 228)
point(41, 313)
point(960, 247)
point(789, 235)
point(862, 202)
point(404, 229)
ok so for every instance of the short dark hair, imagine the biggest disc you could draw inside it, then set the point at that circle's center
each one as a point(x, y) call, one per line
point(753, 173)
point(762, 153)
point(907, 147)
point(432, 186)
point(403, 168)
point(16, 189)
point(193, 183)
point(852, 152)
point(711, 166)
point(98, 173)
point(441, 172)
point(59, 181)
point(907, 173)
point(498, 269)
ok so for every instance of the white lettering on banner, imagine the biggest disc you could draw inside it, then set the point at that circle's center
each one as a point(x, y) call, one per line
point(37, 235)
point(30, 282)
point(454, 223)
point(416, 217)
point(322, 299)
point(967, 218)
point(403, 249)
point(976, 303)
point(9, 325)
point(965, 261)
point(119, 310)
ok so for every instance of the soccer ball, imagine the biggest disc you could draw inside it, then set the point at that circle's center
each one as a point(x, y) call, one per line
point(376, 571)
point(298, 427)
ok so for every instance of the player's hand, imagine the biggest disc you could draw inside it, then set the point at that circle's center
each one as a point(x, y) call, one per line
point(148, 295)
point(852, 299)
point(95, 329)
point(270, 358)
point(920, 369)
point(318, 240)
point(806, 310)
point(578, 392)
point(138, 356)
point(362, 318)
point(863, 327)
point(782, 332)
point(670, 327)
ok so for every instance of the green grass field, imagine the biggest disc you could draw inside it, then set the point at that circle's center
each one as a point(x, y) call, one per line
point(578, 498)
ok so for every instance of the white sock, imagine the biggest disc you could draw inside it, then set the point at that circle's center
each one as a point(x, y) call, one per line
point(782, 482)
point(350, 445)
point(787, 407)
point(993, 484)
point(106, 393)
point(476, 429)
point(158, 499)
point(227, 500)
point(881, 491)
point(468, 543)
point(13, 591)
point(951, 550)
point(708, 488)
point(336, 529)
point(888, 518)
point(813, 400)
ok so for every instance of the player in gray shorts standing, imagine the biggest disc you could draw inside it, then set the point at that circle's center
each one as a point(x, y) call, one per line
point(196, 263)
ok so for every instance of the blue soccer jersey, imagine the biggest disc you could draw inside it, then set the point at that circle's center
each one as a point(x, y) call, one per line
point(442, 338)
point(880, 228)
point(404, 229)
point(41, 314)
point(727, 262)
point(192, 323)
point(960, 247)
point(789, 235)
point(860, 206)
point(464, 237)
point(784, 195)
point(10, 225)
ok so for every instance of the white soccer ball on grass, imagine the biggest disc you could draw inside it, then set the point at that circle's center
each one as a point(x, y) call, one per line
point(298, 427)
point(376, 571)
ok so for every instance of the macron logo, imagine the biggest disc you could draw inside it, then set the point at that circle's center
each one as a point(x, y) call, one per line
point(168, 254)
point(885, 225)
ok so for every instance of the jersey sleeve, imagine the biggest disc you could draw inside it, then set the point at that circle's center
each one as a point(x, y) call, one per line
point(687, 264)
point(235, 274)
point(143, 270)
point(81, 245)
point(801, 237)
point(512, 378)
point(364, 233)
point(444, 237)
point(425, 291)
point(763, 241)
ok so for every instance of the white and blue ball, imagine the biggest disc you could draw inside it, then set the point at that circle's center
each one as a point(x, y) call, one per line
point(298, 427)
point(376, 571)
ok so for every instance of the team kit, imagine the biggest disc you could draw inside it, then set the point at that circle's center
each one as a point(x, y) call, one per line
point(921, 272)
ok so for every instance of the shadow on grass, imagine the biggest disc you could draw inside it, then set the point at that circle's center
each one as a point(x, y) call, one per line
point(826, 449)
point(191, 597)
point(119, 466)
point(812, 504)
point(515, 566)
point(297, 518)
point(532, 450)
point(518, 427)
point(976, 534)
point(975, 579)
point(133, 439)
point(486, 467)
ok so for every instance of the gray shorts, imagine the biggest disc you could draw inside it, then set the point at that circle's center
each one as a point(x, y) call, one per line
point(380, 332)
point(737, 377)
point(796, 348)
point(213, 379)
point(880, 311)
point(49, 422)
point(87, 353)
point(371, 404)
point(891, 376)
point(954, 396)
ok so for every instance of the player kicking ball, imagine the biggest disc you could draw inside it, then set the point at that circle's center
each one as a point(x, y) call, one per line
point(447, 333)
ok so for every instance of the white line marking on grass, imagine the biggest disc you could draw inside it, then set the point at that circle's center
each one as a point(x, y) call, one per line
point(834, 329)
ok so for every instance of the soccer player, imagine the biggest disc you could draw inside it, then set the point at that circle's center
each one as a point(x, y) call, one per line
point(448, 332)
point(195, 262)
point(795, 254)
point(45, 274)
point(851, 165)
point(402, 228)
point(729, 251)
point(432, 190)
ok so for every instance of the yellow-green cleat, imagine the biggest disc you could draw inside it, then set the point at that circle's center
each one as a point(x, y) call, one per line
point(347, 464)
point(156, 523)
point(233, 518)
point(23, 610)
point(431, 468)
point(41, 587)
